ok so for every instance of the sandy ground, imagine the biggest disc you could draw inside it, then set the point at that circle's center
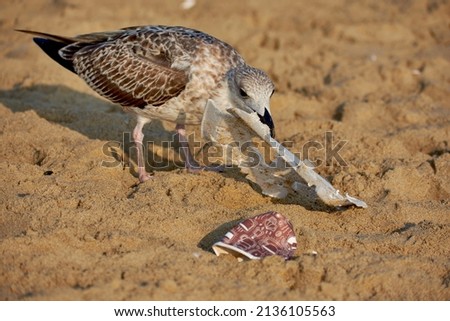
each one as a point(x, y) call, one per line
point(374, 73)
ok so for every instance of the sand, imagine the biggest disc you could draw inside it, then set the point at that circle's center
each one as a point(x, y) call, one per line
point(376, 74)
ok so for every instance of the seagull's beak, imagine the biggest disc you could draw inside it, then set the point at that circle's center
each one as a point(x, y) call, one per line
point(267, 120)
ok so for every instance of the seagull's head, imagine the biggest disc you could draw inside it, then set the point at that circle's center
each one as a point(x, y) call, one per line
point(250, 90)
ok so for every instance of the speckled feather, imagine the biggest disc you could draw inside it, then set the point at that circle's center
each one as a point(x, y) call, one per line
point(162, 72)
point(149, 66)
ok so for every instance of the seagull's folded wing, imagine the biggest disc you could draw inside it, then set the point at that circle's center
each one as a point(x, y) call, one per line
point(126, 69)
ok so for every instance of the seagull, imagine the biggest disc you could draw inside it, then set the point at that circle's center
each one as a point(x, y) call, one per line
point(163, 72)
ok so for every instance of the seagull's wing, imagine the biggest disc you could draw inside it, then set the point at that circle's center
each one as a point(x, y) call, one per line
point(130, 67)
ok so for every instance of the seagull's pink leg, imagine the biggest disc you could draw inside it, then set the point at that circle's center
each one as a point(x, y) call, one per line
point(138, 136)
point(190, 163)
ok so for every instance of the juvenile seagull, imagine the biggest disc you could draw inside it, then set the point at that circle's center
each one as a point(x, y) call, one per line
point(162, 72)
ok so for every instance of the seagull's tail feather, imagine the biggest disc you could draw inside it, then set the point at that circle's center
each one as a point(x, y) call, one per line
point(51, 45)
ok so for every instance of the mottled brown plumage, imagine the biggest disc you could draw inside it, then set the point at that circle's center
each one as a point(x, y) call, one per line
point(162, 72)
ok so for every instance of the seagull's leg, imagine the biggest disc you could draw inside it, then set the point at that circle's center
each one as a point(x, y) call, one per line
point(189, 161)
point(138, 136)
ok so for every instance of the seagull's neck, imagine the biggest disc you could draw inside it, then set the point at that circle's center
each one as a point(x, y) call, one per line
point(222, 96)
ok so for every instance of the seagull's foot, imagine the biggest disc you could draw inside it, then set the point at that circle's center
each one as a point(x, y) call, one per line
point(144, 176)
point(196, 168)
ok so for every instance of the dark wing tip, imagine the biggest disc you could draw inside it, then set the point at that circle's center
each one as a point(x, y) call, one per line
point(51, 48)
point(40, 41)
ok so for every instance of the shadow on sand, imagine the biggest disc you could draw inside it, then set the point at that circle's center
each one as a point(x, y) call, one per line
point(93, 117)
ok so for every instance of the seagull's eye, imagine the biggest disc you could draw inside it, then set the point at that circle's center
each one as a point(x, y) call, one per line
point(243, 93)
